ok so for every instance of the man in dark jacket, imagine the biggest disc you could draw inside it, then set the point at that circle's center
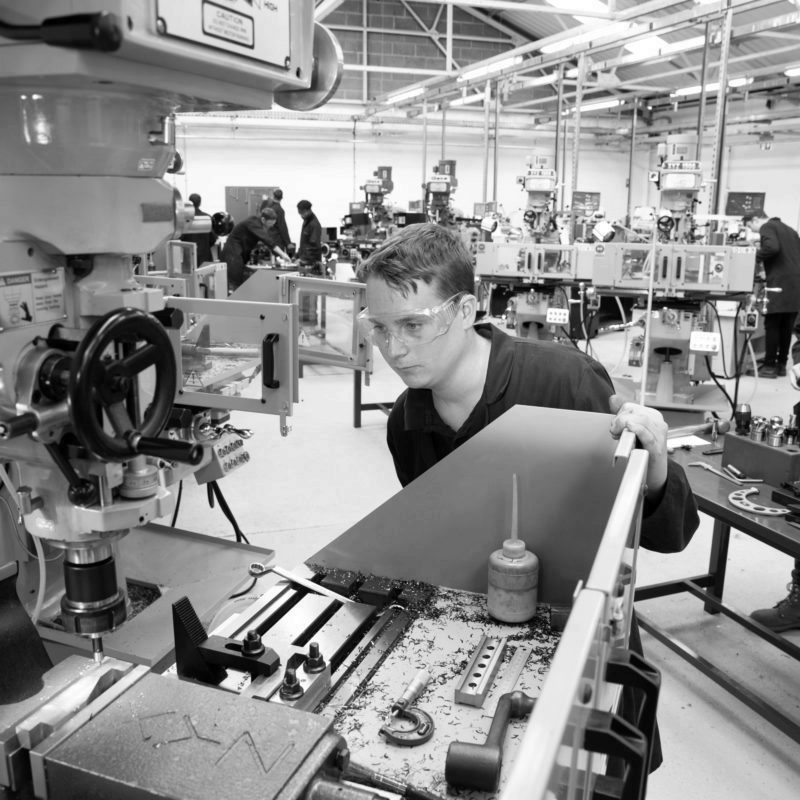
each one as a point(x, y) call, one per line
point(779, 252)
point(242, 241)
point(282, 238)
point(203, 241)
point(421, 314)
point(309, 253)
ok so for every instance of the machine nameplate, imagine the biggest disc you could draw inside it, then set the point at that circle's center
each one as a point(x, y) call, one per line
point(30, 298)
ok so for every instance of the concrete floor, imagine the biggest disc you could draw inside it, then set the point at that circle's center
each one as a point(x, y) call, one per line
point(299, 492)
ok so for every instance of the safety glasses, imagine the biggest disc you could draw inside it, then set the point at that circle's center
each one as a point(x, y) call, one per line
point(413, 327)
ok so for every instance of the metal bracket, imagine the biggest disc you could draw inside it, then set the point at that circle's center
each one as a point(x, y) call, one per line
point(739, 499)
point(479, 674)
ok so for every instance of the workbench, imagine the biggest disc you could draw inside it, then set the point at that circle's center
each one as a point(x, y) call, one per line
point(711, 492)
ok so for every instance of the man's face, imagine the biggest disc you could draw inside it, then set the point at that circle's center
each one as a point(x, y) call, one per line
point(420, 366)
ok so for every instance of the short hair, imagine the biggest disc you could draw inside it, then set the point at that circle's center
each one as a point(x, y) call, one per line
point(278, 194)
point(749, 217)
point(422, 252)
point(268, 213)
point(195, 200)
point(304, 205)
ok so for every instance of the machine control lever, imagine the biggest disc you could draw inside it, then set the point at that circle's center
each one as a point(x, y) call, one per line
point(19, 425)
point(168, 449)
point(477, 766)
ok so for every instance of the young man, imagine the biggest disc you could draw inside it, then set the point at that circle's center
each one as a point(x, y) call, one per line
point(779, 252)
point(421, 313)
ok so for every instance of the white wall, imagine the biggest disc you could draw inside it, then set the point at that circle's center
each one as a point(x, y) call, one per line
point(329, 170)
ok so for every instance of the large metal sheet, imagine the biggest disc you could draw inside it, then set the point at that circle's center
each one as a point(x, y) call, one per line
point(442, 527)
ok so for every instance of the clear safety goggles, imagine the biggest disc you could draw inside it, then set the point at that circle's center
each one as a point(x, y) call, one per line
point(414, 327)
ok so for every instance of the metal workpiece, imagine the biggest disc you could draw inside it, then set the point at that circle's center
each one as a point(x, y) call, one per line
point(481, 670)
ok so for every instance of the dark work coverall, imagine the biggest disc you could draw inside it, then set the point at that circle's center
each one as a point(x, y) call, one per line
point(239, 245)
point(779, 251)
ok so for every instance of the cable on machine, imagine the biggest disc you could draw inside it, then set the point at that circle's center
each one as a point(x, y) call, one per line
point(214, 491)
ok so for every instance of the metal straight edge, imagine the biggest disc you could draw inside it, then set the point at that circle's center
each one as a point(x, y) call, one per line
point(377, 644)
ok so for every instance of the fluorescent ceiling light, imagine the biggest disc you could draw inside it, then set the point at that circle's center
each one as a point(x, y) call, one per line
point(737, 83)
point(792, 72)
point(599, 105)
point(489, 69)
point(466, 100)
point(406, 94)
point(690, 90)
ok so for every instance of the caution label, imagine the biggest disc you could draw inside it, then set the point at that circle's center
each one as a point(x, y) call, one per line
point(229, 25)
point(30, 298)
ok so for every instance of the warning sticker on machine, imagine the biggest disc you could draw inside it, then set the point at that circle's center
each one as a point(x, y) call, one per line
point(28, 298)
point(226, 24)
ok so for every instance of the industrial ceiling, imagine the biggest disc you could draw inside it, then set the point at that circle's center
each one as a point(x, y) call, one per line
point(602, 61)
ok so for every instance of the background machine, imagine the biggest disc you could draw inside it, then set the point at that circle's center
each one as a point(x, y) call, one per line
point(111, 393)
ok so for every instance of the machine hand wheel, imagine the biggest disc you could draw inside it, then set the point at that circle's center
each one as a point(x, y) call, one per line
point(116, 350)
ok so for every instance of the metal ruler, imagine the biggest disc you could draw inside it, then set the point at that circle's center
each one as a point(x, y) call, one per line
point(508, 675)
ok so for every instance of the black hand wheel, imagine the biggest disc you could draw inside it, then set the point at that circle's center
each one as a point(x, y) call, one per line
point(103, 383)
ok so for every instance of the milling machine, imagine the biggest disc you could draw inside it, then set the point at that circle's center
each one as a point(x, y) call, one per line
point(678, 278)
point(439, 189)
point(539, 275)
point(370, 221)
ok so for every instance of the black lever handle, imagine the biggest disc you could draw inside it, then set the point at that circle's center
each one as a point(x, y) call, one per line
point(168, 449)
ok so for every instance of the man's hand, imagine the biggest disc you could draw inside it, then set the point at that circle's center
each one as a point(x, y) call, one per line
point(650, 429)
point(794, 376)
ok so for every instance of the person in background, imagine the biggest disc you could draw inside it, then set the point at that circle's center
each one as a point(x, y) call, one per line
point(779, 252)
point(242, 241)
point(309, 253)
point(421, 314)
point(204, 241)
point(282, 238)
point(785, 614)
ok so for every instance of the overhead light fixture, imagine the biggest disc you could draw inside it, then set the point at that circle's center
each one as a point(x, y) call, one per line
point(597, 105)
point(406, 94)
point(466, 100)
point(686, 91)
point(737, 83)
point(490, 69)
point(792, 72)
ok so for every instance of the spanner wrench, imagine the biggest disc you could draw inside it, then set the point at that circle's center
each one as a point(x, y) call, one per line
point(719, 472)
